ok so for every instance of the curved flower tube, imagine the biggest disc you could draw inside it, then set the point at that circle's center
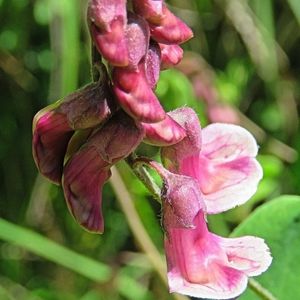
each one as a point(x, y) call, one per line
point(221, 157)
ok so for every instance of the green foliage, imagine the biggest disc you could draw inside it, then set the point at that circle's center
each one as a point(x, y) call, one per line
point(278, 222)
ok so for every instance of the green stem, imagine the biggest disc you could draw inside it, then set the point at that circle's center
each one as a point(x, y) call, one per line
point(263, 293)
point(144, 176)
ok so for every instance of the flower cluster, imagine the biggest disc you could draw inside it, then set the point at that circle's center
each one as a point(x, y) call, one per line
point(206, 171)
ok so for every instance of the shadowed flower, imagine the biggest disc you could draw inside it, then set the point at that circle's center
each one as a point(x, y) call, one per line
point(221, 157)
point(200, 263)
point(89, 168)
point(54, 125)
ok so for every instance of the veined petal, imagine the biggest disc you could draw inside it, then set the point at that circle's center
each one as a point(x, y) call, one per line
point(84, 177)
point(227, 170)
point(201, 264)
point(225, 142)
point(227, 185)
point(164, 133)
point(89, 168)
point(136, 96)
point(171, 30)
point(248, 254)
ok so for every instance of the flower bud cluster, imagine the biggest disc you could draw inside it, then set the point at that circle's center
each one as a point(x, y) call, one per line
point(137, 44)
point(77, 139)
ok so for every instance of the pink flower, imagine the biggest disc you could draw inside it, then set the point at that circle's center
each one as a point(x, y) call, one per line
point(88, 169)
point(200, 263)
point(221, 157)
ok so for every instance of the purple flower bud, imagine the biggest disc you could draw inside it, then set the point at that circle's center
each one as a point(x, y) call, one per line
point(89, 168)
point(54, 125)
point(164, 133)
point(107, 19)
point(88, 107)
point(51, 134)
point(151, 10)
point(171, 29)
point(137, 39)
point(152, 64)
point(171, 55)
point(136, 96)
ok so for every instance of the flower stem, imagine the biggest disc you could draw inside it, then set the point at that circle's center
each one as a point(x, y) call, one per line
point(260, 290)
point(144, 176)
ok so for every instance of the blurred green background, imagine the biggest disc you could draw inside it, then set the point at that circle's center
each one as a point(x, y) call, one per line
point(242, 66)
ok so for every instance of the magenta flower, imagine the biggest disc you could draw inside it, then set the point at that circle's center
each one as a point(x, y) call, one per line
point(200, 263)
point(221, 157)
point(89, 168)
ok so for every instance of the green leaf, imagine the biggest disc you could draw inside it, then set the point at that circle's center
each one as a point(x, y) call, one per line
point(54, 252)
point(278, 222)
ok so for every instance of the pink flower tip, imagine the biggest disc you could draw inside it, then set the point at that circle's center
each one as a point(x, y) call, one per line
point(171, 30)
point(171, 55)
point(164, 133)
point(136, 96)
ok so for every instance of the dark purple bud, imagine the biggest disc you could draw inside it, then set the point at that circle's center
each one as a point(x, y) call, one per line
point(117, 138)
point(171, 55)
point(164, 133)
point(51, 134)
point(171, 29)
point(152, 64)
point(136, 96)
point(151, 10)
